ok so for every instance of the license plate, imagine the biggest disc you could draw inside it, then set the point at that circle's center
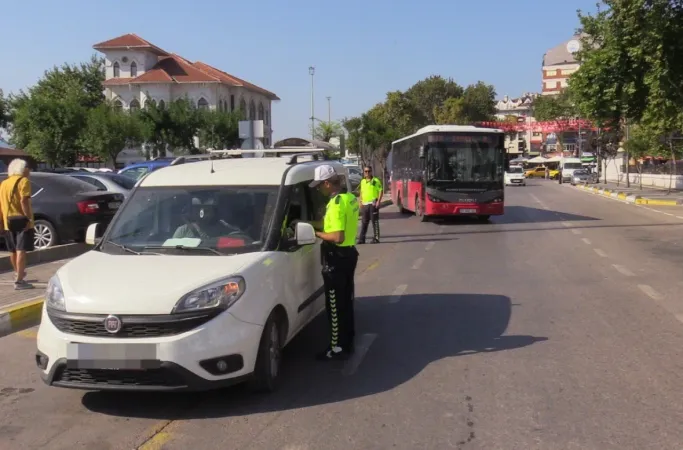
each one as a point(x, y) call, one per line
point(114, 205)
point(516, 181)
point(112, 356)
point(468, 211)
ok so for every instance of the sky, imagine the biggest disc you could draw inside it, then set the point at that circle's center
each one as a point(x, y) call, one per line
point(360, 49)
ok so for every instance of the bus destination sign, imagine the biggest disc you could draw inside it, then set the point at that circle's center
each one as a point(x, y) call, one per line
point(463, 138)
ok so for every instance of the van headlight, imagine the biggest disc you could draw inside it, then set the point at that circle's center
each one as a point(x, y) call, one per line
point(221, 294)
point(54, 295)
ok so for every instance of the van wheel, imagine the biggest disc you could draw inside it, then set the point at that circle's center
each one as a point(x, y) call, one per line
point(266, 374)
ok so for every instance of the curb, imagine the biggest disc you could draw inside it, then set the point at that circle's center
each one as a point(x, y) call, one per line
point(48, 255)
point(630, 198)
point(20, 317)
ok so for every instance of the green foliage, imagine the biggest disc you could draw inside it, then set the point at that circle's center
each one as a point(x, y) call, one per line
point(4, 111)
point(434, 100)
point(325, 131)
point(219, 130)
point(632, 69)
point(108, 131)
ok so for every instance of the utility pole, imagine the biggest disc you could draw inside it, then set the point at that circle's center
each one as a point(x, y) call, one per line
point(628, 157)
point(329, 111)
point(311, 72)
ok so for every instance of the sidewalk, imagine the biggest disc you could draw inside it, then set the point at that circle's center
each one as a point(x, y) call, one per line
point(645, 196)
point(19, 309)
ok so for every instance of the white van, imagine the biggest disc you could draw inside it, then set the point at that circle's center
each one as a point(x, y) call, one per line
point(568, 166)
point(153, 307)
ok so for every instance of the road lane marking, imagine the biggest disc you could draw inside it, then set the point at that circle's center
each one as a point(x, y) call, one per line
point(679, 217)
point(418, 263)
point(398, 292)
point(362, 347)
point(649, 291)
point(623, 270)
point(442, 229)
point(567, 224)
point(575, 231)
point(600, 252)
point(536, 199)
point(429, 246)
point(679, 317)
point(586, 241)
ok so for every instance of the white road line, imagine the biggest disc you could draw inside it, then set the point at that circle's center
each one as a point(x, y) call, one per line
point(362, 346)
point(567, 224)
point(600, 252)
point(623, 270)
point(429, 246)
point(575, 231)
point(586, 241)
point(418, 263)
point(398, 292)
point(536, 199)
point(679, 317)
point(649, 291)
point(679, 217)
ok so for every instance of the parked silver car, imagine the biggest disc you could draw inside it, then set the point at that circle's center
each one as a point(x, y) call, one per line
point(584, 177)
point(106, 181)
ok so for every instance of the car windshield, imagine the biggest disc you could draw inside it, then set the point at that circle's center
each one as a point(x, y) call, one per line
point(202, 220)
point(124, 182)
point(515, 170)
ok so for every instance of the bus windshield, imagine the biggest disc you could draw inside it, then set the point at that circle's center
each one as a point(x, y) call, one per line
point(465, 162)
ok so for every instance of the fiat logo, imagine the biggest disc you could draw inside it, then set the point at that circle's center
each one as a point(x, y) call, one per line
point(112, 324)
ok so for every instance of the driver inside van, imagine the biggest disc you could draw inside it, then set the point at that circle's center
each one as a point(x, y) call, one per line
point(204, 222)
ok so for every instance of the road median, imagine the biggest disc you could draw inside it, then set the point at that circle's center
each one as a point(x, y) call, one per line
point(630, 197)
point(20, 316)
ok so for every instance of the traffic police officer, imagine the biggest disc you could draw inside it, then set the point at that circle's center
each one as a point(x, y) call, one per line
point(339, 260)
point(370, 197)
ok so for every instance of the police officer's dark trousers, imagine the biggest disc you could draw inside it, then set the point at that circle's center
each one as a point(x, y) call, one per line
point(339, 267)
point(369, 213)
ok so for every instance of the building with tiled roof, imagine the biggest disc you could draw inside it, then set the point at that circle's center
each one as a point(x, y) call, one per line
point(138, 71)
point(558, 64)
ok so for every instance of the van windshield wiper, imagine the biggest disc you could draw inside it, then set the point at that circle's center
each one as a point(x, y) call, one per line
point(122, 247)
point(183, 247)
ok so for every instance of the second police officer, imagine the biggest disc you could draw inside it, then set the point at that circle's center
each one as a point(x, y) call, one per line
point(339, 260)
point(370, 198)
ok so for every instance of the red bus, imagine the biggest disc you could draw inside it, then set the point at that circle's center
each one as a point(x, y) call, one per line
point(449, 170)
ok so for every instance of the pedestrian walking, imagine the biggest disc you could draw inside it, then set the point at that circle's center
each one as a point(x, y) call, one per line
point(339, 259)
point(370, 198)
point(17, 218)
point(547, 173)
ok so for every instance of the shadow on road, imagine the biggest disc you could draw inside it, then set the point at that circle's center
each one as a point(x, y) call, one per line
point(411, 334)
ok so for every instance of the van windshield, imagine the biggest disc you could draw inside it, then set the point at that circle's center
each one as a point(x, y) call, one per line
point(516, 169)
point(573, 165)
point(202, 220)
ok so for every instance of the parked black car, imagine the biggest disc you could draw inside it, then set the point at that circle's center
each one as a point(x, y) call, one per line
point(63, 207)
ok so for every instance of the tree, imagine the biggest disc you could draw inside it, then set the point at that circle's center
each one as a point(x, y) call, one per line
point(325, 131)
point(48, 119)
point(555, 108)
point(184, 121)
point(4, 111)
point(430, 93)
point(477, 104)
point(155, 129)
point(219, 130)
point(109, 130)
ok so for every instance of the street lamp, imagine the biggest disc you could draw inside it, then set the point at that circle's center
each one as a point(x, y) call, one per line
point(311, 72)
point(329, 110)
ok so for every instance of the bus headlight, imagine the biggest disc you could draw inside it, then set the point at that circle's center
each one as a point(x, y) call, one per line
point(434, 199)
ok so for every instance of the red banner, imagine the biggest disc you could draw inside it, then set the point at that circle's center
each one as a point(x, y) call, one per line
point(551, 126)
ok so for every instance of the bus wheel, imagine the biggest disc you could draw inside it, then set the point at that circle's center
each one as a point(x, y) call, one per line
point(419, 210)
point(483, 218)
point(401, 209)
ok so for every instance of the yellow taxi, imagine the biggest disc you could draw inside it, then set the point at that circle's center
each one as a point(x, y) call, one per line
point(539, 172)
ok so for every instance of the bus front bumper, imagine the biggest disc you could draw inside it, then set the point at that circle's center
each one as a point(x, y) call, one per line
point(456, 209)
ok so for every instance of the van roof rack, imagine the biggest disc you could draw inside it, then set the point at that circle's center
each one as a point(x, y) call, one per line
point(317, 156)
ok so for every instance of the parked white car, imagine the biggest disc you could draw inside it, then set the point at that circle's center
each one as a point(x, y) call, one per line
point(514, 176)
point(201, 279)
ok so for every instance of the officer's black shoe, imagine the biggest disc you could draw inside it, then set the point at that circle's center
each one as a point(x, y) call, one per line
point(359, 241)
point(333, 354)
point(375, 241)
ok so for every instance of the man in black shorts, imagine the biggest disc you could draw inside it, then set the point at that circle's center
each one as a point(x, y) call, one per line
point(17, 218)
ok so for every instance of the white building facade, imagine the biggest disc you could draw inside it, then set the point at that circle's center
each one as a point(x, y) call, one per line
point(137, 71)
point(521, 108)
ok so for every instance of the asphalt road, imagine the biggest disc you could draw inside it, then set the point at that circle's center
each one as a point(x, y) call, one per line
point(555, 326)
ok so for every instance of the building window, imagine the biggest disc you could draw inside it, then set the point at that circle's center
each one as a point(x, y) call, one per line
point(162, 104)
point(149, 103)
point(133, 69)
point(252, 110)
point(243, 108)
point(265, 118)
point(134, 105)
point(260, 111)
point(117, 70)
point(118, 104)
point(232, 103)
point(202, 104)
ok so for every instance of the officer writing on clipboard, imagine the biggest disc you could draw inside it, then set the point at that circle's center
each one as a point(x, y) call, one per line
point(339, 260)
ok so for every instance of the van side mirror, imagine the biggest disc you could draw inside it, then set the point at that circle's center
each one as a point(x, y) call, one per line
point(93, 234)
point(305, 234)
